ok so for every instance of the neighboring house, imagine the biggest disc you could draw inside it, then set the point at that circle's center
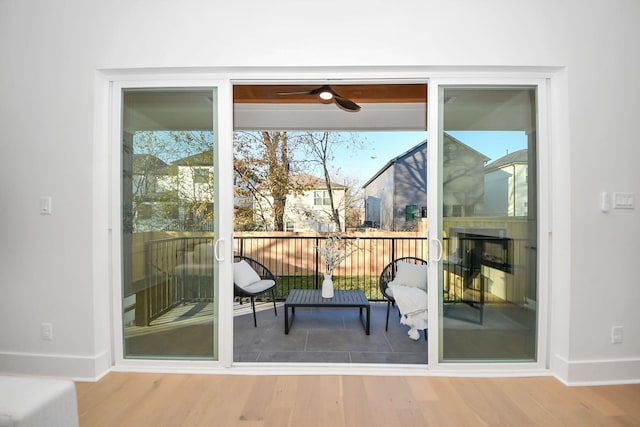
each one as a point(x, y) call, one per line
point(462, 179)
point(178, 195)
point(195, 177)
point(309, 210)
point(396, 197)
point(505, 185)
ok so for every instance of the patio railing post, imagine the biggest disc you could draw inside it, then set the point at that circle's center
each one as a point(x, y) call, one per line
point(393, 250)
point(316, 282)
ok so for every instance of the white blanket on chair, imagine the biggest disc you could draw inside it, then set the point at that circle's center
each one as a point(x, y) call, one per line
point(412, 303)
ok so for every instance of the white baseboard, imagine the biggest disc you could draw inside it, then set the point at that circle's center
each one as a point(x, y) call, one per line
point(78, 368)
point(596, 372)
point(85, 368)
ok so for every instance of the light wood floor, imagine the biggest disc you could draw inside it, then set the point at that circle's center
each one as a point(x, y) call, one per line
point(142, 399)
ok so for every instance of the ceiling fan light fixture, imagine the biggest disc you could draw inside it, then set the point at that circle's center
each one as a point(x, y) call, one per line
point(326, 95)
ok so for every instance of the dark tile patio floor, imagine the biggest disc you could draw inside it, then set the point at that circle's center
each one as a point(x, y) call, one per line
point(336, 335)
point(324, 335)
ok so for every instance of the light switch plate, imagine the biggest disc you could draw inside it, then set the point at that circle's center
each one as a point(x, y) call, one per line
point(45, 205)
point(605, 201)
point(624, 200)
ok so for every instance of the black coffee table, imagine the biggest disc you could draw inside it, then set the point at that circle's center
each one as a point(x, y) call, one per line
point(313, 298)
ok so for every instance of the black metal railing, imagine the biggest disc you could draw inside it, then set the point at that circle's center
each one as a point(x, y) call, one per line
point(298, 264)
point(180, 269)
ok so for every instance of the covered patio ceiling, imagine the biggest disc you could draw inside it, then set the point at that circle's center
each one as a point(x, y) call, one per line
point(360, 93)
point(384, 107)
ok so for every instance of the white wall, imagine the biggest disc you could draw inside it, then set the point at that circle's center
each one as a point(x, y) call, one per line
point(308, 217)
point(53, 268)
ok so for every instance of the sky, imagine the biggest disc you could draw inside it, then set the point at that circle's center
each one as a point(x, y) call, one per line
point(377, 148)
point(380, 147)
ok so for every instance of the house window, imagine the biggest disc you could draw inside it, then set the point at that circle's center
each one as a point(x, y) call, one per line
point(321, 198)
point(200, 175)
point(324, 227)
point(463, 210)
point(290, 226)
point(469, 210)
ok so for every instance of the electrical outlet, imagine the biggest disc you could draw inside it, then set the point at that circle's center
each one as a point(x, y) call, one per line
point(617, 335)
point(46, 331)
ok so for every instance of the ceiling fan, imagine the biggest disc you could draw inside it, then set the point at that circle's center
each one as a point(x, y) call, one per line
point(327, 93)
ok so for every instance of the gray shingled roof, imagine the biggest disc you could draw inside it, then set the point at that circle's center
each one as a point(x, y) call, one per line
point(391, 162)
point(416, 148)
point(314, 182)
point(520, 156)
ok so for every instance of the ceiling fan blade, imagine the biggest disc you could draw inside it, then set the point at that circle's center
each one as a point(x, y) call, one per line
point(346, 104)
point(302, 92)
point(315, 91)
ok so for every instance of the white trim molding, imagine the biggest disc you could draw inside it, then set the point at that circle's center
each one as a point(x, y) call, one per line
point(596, 372)
point(80, 368)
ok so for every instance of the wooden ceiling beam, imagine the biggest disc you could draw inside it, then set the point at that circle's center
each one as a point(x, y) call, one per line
point(359, 93)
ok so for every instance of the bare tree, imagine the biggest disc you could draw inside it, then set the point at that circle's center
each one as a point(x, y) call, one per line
point(320, 148)
point(353, 202)
point(160, 171)
point(263, 166)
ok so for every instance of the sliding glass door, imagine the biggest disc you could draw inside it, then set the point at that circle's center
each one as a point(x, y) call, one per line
point(488, 228)
point(481, 189)
point(169, 223)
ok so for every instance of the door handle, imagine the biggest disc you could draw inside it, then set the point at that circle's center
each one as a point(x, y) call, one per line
point(439, 246)
point(216, 248)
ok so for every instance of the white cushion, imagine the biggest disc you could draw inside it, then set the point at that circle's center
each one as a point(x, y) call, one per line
point(412, 275)
point(35, 402)
point(259, 286)
point(243, 274)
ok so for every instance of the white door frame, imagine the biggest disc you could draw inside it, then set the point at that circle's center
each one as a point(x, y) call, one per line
point(223, 126)
point(115, 81)
point(435, 123)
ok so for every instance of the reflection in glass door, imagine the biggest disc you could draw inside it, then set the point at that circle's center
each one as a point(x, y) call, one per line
point(489, 225)
point(169, 294)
